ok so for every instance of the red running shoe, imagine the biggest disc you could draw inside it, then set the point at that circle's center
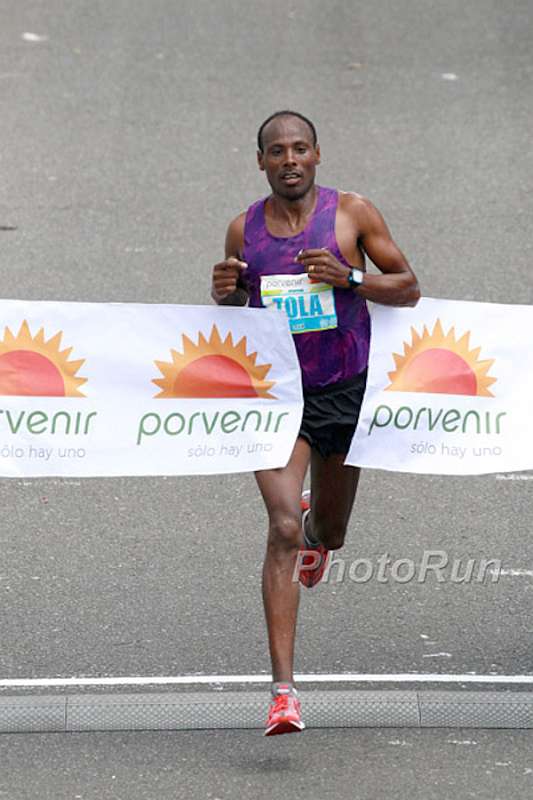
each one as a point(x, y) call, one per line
point(284, 714)
point(313, 559)
point(305, 500)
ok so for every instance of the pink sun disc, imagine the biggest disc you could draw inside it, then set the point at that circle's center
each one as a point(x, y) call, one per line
point(440, 371)
point(24, 372)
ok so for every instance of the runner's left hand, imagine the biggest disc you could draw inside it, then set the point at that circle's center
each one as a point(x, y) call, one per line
point(321, 265)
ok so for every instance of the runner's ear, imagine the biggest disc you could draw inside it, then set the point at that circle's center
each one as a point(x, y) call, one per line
point(261, 160)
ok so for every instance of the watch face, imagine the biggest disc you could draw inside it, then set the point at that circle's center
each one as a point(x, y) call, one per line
point(356, 277)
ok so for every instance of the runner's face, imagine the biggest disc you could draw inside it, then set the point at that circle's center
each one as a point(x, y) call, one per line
point(289, 157)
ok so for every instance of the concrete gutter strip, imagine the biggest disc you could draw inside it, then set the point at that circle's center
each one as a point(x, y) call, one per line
point(244, 709)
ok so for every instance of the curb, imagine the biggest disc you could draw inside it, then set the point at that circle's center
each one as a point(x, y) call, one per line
point(247, 710)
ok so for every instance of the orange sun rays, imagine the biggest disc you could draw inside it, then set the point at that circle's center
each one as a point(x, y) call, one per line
point(440, 363)
point(213, 368)
point(31, 366)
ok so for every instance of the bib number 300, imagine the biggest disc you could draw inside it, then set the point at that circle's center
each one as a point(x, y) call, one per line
point(309, 306)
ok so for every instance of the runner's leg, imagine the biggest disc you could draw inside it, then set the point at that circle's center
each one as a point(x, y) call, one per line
point(333, 490)
point(281, 490)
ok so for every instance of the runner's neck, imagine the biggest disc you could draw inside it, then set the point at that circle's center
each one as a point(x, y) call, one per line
point(291, 215)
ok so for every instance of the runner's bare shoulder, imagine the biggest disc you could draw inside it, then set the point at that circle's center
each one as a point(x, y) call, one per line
point(361, 210)
point(352, 202)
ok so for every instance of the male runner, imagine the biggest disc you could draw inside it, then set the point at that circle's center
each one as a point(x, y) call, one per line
point(305, 228)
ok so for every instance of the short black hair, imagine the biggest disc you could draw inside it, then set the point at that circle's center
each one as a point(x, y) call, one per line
point(285, 113)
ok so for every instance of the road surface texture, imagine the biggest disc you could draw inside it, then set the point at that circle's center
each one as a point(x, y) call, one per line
point(128, 143)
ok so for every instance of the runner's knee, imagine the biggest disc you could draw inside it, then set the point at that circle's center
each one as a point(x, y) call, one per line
point(285, 532)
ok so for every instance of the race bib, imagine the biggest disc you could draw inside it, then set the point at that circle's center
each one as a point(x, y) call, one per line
point(309, 306)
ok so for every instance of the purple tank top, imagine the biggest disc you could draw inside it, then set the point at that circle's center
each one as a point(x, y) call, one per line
point(326, 356)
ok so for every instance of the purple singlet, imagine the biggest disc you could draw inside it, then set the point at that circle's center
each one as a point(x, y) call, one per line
point(339, 351)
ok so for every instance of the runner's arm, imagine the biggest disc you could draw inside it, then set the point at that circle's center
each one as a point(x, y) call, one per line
point(228, 287)
point(397, 286)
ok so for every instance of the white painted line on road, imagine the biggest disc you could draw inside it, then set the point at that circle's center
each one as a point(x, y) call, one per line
point(342, 677)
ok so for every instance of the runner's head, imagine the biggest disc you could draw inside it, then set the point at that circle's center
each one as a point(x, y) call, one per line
point(287, 150)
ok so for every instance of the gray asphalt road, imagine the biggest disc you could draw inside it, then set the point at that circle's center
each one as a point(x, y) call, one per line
point(363, 764)
point(127, 145)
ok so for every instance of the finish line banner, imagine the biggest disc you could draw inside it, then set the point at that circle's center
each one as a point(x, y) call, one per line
point(449, 389)
point(93, 389)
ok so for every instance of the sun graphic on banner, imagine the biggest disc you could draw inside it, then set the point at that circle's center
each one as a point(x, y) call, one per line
point(31, 366)
point(441, 364)
point(213, 368)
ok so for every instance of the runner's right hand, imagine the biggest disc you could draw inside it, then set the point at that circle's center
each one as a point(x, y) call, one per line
point(225, 277)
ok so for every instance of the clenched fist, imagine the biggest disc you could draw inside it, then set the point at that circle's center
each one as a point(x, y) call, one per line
point(225, 277)
point(321, 265)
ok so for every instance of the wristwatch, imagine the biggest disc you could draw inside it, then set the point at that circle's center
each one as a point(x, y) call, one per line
point(355, 278)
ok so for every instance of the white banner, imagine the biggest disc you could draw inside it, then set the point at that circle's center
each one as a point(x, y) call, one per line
point(89, 389)
point(450, 388)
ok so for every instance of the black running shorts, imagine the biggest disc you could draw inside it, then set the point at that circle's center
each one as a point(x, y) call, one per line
point(331, 414)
